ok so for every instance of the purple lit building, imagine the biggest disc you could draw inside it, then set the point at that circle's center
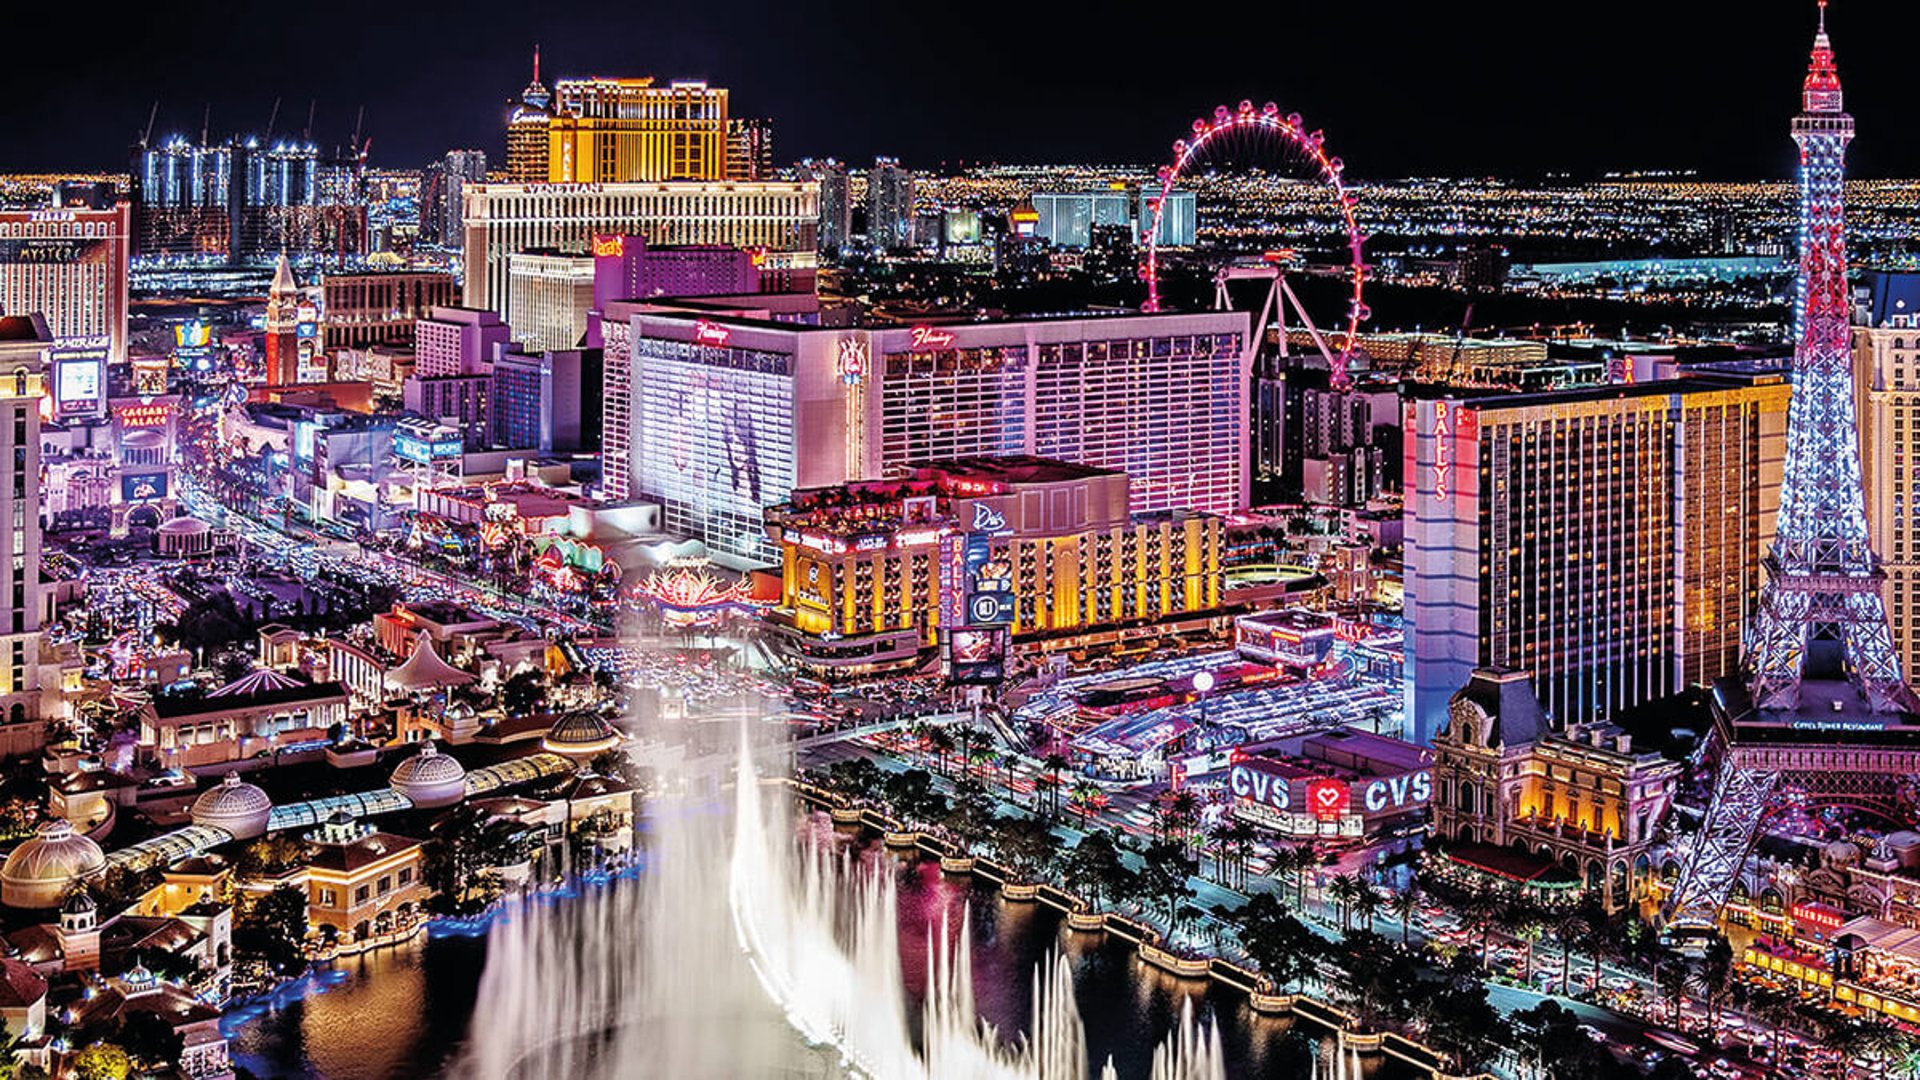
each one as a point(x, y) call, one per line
point(458, 341)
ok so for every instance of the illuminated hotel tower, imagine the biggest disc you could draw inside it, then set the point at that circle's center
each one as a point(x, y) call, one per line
point(1821, 610)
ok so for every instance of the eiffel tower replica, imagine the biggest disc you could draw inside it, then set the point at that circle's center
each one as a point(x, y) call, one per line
point(1823, 710)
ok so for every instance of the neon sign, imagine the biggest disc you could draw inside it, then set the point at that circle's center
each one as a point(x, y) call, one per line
point(143, 415)
point(853, 360)
point(1256, 786)
point(707, 333)
point(1327, 798)
point(1441, 466)
point(927, 337)
point(1400, 791)
point(609, 247)
point(1818, 915)
point(987, 519)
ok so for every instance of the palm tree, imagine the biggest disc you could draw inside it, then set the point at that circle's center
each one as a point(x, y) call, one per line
point(940, 743)
point(1055, 761)
point(1569, 931)
point(1083, 793)
point(1531, 930)
point(1346, 889)
point(1402, 904)
point(1185, 811)
point(1236, 837)
point(1366, 902)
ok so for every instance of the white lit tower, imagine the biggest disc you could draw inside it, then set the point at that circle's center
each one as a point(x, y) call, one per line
point(1823, 712)
point(1821, 610)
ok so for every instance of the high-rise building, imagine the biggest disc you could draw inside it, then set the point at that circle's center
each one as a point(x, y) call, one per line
point(749, 148)
point(549, 295)
point(283, 328)
point(1067, 219)
point(458, 341)
point(246, 202)
point(619, 131)
point(1179, 218)
point(69, 265)
point(527, 131)
point(889, 205)
point(836, 204)
point(779, 216)
point(549, 401)
point(1607, 541)
point(358, 310)
point(25, 342)
point(461, 402)
point(718, 416)
point(441, 185)
point(1886, 354)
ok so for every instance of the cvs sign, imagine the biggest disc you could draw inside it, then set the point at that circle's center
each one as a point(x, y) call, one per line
point(1249, 783)
point(1399, 792)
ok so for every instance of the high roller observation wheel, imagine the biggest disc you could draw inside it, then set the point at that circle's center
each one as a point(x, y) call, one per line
point(1289, 130)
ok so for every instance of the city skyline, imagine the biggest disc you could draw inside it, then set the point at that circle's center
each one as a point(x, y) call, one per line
point(1691, 89)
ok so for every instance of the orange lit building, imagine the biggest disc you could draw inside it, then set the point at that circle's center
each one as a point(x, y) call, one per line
point(1578, 795)
point(863, 581)
point(630, 130)
point(364, 887)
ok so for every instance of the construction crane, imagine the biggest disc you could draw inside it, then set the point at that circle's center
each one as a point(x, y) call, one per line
point(1455, 375)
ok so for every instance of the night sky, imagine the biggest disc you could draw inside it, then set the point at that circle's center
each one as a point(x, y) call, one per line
point(1429, 87)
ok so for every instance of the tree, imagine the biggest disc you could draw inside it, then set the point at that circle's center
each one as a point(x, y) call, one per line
point(1164, 876)
point(1402, 904)
point(911, 796)
point(1236, 839)
point(1366, 903)
point(1570, 931)
point(150, 1040)
point(1280, 944)
point(1553, 1038)
point(274, 927)
point(524, 692)
point(1530, 931)
point(270, 855)
point(1460, 1022)
point(1095, 870)
point(1026, 845)
point(1055, 762)
point(101, 1061)
point(1714, 974)
point(940, 743)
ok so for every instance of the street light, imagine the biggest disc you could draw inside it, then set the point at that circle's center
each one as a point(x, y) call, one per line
point(1202, 683)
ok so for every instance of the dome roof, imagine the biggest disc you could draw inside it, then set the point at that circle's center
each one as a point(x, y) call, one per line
point(233, 805)
point(581, 734)
point(430, 778)
point(183, 526)
point(38, 872)
point(1841, 853)
point(80, 902)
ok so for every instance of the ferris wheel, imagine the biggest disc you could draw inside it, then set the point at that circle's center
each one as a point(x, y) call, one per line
point(1242, 132)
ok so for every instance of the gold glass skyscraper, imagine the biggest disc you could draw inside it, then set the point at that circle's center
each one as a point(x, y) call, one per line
point(628, 130)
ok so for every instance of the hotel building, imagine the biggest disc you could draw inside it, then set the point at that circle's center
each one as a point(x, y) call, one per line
point(25, 343)
point(864, 580)
point(1608, 541)
point(359, 310)
point(69, 265)
point(548, 297)
point(719, 415)
point(1886, 350)
point(626, 130)
point(1516, 795)
point(503, 219)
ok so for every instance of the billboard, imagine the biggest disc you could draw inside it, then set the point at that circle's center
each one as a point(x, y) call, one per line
point(79, 375)
point(143, 487)
point(410, 447)
point(977, 656)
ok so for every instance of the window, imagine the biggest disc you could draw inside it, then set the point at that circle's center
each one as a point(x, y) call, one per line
point(360, 895)
point(385, 885)
point(329, 898)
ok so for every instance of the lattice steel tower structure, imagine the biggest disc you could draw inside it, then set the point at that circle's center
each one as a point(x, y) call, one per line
point(1824, 711)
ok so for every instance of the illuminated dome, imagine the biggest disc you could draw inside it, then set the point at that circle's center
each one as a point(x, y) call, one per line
point(240, 808)
point(183, 526)
point(430, 778)
point(581, 734)
point(41, 870)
